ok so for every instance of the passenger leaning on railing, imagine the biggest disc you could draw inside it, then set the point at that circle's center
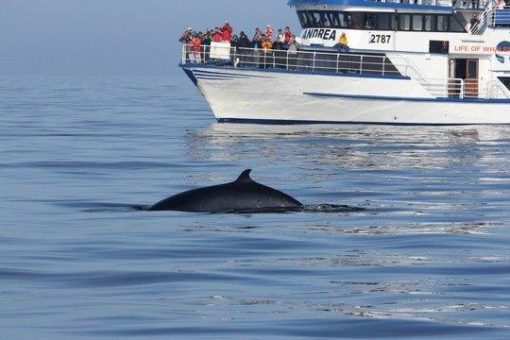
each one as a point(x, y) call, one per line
point(185, 39)
point(292, 53)
point(243, 46)
point(196, 44)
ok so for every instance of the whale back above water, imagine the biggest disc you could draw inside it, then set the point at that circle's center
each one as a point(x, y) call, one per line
point(242, 195)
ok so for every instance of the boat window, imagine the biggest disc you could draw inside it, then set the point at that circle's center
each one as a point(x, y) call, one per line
point(442, 23)
point(439, 46)
point(404, 22)
point(417, 22)
point(428, 23)
point(385, 21)
point(472, 69)
point(505, 81)
point(379, 21)
point(455, 25)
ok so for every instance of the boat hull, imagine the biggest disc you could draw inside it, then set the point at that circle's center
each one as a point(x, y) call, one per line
point(286, 97)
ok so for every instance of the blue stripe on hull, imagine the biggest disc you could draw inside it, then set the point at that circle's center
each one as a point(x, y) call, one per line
point(410, 99)
point(240, 70)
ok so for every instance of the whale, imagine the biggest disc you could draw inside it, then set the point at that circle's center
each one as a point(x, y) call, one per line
point(243, 195)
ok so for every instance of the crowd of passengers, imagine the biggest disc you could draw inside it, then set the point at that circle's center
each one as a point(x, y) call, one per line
point(198, 43)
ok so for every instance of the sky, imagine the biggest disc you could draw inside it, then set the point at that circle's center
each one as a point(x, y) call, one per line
point(117, 37)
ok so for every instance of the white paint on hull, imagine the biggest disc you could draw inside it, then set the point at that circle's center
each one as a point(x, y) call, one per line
point(241, 94)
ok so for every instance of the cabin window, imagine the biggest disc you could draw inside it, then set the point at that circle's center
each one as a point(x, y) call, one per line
point(442, 23)
point(380, 21)
point(417, 22)
point(455, 25)
point(385, 22)
point(404, 22)
point(428, 23)
point(439, 46)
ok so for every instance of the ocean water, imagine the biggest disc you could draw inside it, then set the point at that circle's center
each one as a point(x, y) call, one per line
point(429, 258)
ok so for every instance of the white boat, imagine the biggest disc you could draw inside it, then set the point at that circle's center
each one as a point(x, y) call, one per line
point(424, 62)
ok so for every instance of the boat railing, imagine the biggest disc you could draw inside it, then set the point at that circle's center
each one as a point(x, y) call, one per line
point(315, 62)
point(494, 16)
point(464, 89)
point(458, 4)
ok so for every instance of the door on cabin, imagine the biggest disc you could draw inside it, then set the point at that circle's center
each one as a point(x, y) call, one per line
point(463, 78)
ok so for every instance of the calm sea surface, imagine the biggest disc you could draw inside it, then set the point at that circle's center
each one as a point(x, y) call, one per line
point(430, 258)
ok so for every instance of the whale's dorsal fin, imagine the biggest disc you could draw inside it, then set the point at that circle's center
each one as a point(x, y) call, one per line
point(245, 177)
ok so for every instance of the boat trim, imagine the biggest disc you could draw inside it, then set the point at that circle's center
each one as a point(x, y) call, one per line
point(365, 74)
point(410, 99)
point(334, 122)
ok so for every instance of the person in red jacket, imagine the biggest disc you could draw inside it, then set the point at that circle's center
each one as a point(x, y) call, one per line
point(288, 35)
point(217, 35)
point(226, 31)
point(196, 44)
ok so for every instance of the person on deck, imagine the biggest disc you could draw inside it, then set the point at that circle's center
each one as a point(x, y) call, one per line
point(269, 32)
point(267, 45)
point(244, 44)
point(474, 22)
point(288, 35)
point(343, 43)
point(207, 39)
point(226, 31)
point(292, 53)
point(196, 44)
point(217, 35)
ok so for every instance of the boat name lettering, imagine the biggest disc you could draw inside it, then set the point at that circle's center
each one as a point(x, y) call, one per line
point(325, 34)
point(481, 49)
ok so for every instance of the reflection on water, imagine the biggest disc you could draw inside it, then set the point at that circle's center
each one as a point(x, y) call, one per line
point(344, 146)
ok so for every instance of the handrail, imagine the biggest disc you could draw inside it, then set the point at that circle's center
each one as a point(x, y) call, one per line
point(311, 61)
point(493, 16)
point(458, 4)
point(465, 88)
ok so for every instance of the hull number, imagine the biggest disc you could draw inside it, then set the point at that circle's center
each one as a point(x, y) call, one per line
point(379, 39)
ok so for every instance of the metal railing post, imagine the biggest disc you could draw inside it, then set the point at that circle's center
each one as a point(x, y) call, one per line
point(361, 65)
point(287, 60)
point(313, 68)
point(383, 65)
point(337, 61)
point(183, 57)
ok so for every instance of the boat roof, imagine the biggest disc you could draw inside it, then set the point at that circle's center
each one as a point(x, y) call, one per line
point(384, 4)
